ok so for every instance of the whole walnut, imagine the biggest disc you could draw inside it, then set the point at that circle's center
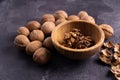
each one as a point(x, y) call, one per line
point(36, 35)
point(60, 21)
point(33, 25)
point(21, 41)
point(42, 55)
point(60, 14)
point(88, 18)
point(82, 14)
point(47, 17)
point(48, 43)
point(48, 27)
point(108, 30)
point(23, 30)
point(73, 17)
point(32, 47)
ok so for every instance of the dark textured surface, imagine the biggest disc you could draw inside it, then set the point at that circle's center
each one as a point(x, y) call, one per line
point(16, 65)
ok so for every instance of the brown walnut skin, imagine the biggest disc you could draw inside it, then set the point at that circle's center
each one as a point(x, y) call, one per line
point(47, 17)
point(36, 35)
point(82, 14)
point(32, 47)
point(23, 31)
point(48, 43)
point(73, 17)
point(108, 30)
point(60, 14)
point(33, 25)
point(47, 28)
point(41, 56)
point(21, 41)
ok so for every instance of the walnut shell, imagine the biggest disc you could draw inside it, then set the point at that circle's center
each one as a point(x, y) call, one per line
point(41, 55)
point(48, 27)
point(33, 25)
point(23, 30)
point(82, 14)
point(108, 30)
point(48, 43)
point(60, 21)
point(21, 41)
point(32, 47)
point(88, 18)
point(47, 17)
point(60, 14)
point(73, 17)
point(36, 35)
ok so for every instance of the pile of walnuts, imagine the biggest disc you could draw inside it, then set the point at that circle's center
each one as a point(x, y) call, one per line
point(35, 36)
point(111, 55)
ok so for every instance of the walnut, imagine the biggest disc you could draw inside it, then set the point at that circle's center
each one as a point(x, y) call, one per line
point(36, 35)
point(23, 30)
point(108, 30)
point(61, 20)
point(106, 56)
point(82, 14)
point(108, 44)
point(42, 55)
point(60, 14)
point(33, 25)
point(21, 41)
point(33, 46)
point(48, 43)
point(73, 17)
point(88, 18)
point(48, 27)
point(47, 17)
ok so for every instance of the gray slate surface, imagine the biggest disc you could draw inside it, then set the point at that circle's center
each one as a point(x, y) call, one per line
point(16, 65)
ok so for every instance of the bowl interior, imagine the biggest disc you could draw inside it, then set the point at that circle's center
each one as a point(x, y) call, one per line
point(86, 28)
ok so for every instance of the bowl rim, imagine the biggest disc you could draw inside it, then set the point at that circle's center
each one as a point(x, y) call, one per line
point(99, 43)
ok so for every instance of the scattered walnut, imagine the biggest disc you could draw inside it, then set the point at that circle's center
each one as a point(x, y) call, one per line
point(36, 35)
point(112, 58)
point(48, 43)
point(32, 47)
point(33, 25)
point(108, 30)
point(73, 17)
point(106, 56)
point(47, 17)
point(116, 47)
point(108, 45)
point(21, 41)
point(60, 14)
point(23, 30)
point(82, 14)
point(41, 55)
point(48, 27)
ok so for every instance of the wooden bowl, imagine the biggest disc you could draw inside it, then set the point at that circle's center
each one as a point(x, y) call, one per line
point(86, 28)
